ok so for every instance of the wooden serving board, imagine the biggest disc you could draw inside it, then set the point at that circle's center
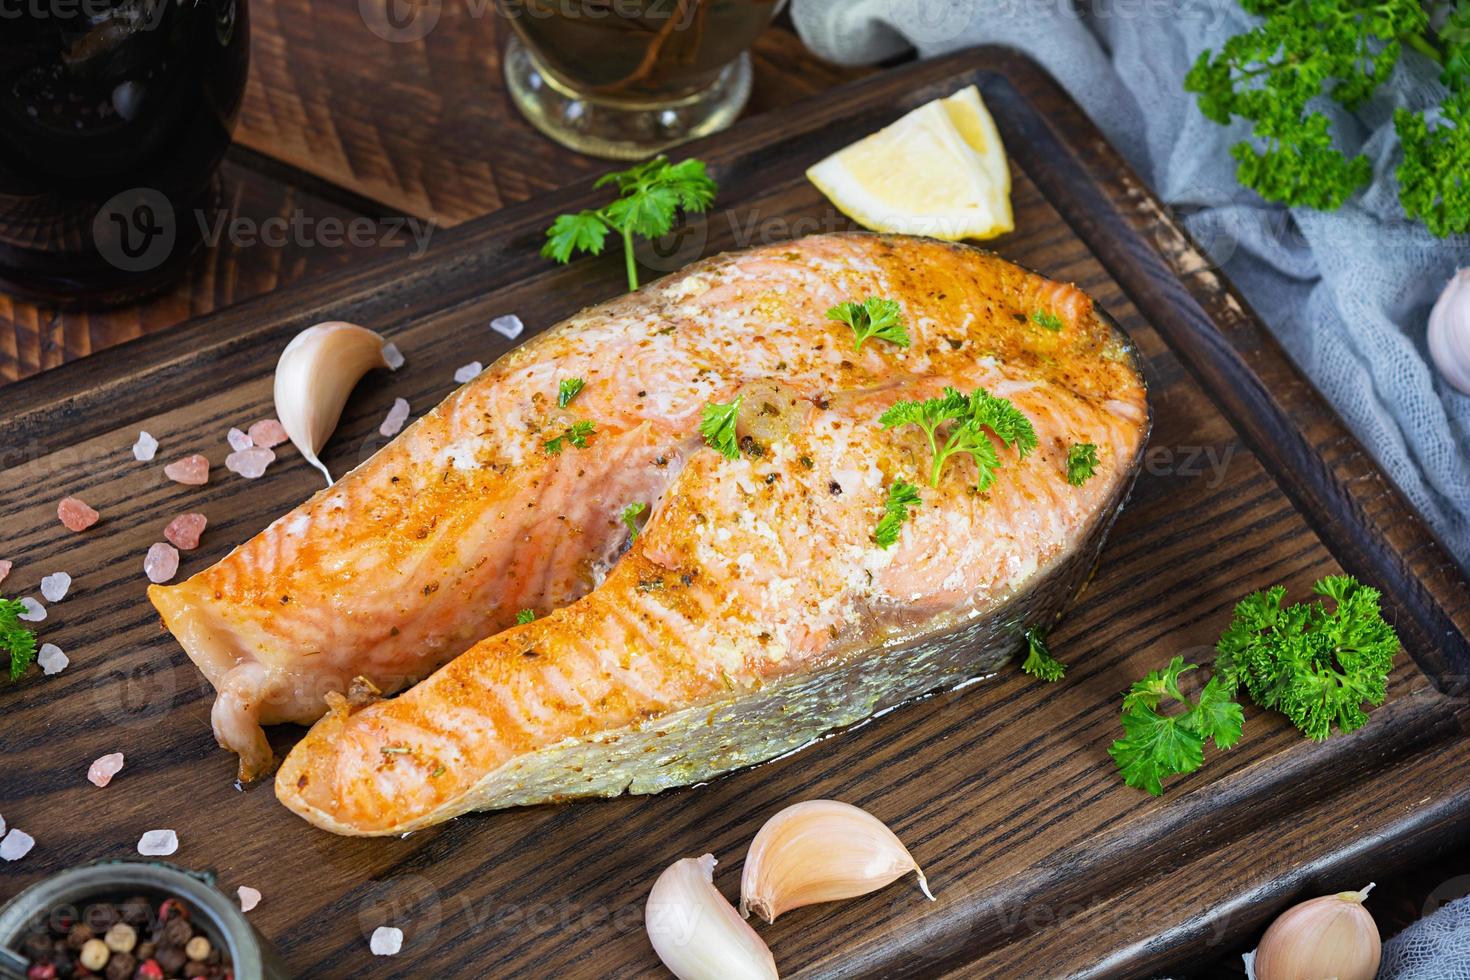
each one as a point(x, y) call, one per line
point(1043, 861)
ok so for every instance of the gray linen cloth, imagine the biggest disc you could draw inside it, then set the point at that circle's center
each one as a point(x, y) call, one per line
point(1348, 293)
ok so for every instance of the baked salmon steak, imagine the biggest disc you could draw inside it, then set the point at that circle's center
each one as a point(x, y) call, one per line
point(731, 540)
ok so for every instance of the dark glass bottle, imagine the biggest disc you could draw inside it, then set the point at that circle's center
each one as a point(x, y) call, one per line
point(114, 115)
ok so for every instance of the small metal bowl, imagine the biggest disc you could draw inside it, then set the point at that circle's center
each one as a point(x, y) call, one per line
point(251, 957)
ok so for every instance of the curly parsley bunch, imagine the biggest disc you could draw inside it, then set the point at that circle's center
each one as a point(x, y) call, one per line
point(1344, 50)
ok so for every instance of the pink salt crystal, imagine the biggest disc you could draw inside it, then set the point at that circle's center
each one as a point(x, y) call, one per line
point(76, 515)
point(5, 568)
point(250, 463)
point(16, 844)
point(162, 563)
point(238, 440)
point(101, 771)
point(268, 433)
point(191, 470)
point(183, 531)
point(397, 415)
point(249, 897)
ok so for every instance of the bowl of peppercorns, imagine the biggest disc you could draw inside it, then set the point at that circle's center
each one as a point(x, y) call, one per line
point(133, 920)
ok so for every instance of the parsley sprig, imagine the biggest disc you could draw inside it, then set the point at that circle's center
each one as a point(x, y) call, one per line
point(1039, 662)
point(1081, 463)
point(873, 317)
point(16, 639)
point(1047, 319)
point(1314, 665)
point(577, 434)
point(525, 616)
point(1156, 745)
point(969, 417)
point(567, 389)
point(629, 517)
point(1274, 75)
point(717, 425)
point(649, 196)
point(902, 497)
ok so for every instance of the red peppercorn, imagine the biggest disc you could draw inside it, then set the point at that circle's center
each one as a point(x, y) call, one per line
point(149, 970)
point(41, 971)
point(172, 907)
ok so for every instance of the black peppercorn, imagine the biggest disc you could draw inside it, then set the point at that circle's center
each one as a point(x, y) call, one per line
point(120, 966)
point(77, 936)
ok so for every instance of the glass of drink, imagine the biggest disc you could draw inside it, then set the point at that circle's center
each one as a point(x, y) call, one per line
point(114, 115)
point(625, 79)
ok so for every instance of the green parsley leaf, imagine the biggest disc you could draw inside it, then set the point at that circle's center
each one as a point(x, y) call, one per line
point(1155, 746)
point(585, 231)
point(525, 616)
point(629, 517)
point(1318, 666)
point(16, 639)
point(902, 496)
point(577, 434)
point(1434, 180)
point(1043, 318)
point(567, 389)
point(972, 415)
point(650, 195)
point(873, 317)
point(1039, 662)
point(717, 425)
point(1081, 463)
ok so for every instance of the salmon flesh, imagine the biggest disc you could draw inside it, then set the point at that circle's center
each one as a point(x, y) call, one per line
point(751, 612)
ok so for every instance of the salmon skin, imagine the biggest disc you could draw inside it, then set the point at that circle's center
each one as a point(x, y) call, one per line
point(752, 612)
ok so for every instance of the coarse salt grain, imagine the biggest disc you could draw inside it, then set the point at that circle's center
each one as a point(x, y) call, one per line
point(386, 941)
point(5, 568)
point(145, 448)
point(2, 826)
point(51, 659)
point(249, 897)
point(238, 440)
point(268, 433)
point(75, 514)
point(34, 611)
point(162, 563)
point(397, 415)
point(158, 843)
point(469, 372)
point(508, 326)
point(191, 470)
point(102, 770)
point(16, 844)
point(183, 531)
point(55, 586)
point(250, 463)
point(393, 356)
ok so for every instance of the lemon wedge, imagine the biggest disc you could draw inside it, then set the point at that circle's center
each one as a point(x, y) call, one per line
point(939, 171)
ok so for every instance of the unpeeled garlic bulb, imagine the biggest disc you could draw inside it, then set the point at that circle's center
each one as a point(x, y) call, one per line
point(1333, 936)
point(821, 851)
point(696, 933)
point(316, 372)
point(1449, 331)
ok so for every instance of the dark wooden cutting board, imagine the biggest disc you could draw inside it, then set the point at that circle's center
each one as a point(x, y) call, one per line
point(1043, 861)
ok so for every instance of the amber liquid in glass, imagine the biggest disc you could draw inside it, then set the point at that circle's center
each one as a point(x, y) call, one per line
point(639, 50)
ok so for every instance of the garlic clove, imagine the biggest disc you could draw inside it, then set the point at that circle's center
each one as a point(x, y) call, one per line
point(821, 851)
point(1333, 936)
point(316, 372)
point(696, 933)
point(1449, 331)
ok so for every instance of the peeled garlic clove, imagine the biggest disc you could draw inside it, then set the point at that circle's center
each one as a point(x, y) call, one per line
point(1332, 936)
point(696, 933)
point(1449, 331)
point(821, 851)
point(316, 373)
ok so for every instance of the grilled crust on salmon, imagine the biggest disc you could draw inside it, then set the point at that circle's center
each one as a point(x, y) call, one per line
point(753, 612)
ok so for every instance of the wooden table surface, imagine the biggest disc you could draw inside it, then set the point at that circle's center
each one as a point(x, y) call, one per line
point(338, 122)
